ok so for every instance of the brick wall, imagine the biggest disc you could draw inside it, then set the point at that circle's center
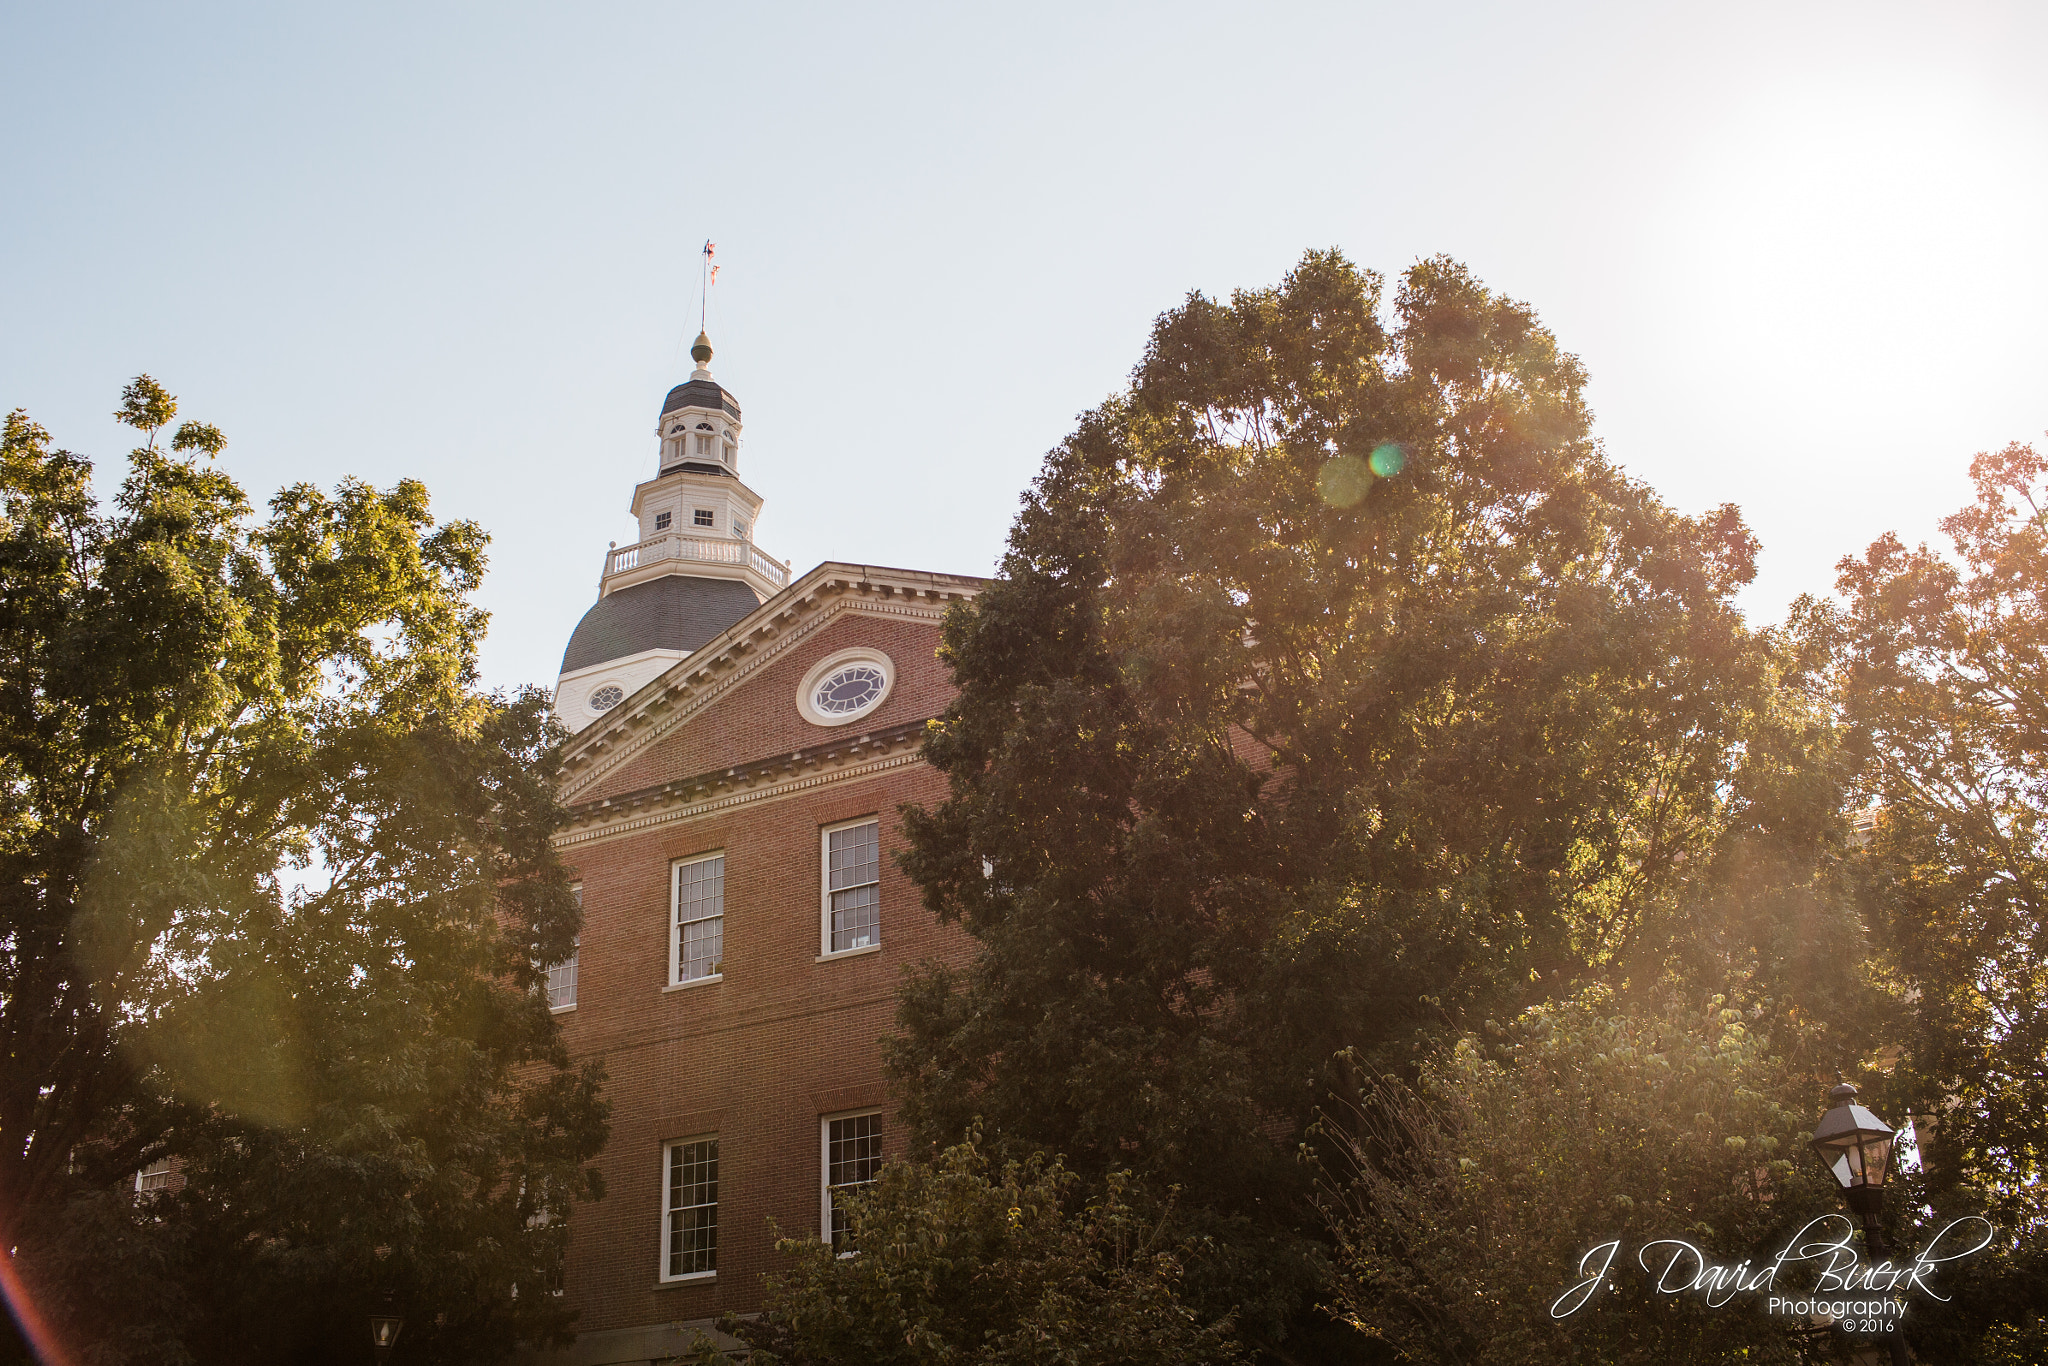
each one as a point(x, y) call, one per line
point(759, 717)
point(780, 1039)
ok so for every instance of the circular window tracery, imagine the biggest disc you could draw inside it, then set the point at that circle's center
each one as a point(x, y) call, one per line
point(846, 691)
point(607, 697)
point(845, 686)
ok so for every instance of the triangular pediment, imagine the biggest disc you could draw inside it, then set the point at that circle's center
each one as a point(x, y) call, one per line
point(611, 757)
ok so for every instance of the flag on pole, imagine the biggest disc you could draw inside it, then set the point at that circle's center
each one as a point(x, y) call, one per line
point(710, 273)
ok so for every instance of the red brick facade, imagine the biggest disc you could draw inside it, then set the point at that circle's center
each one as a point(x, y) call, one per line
point(716, 756)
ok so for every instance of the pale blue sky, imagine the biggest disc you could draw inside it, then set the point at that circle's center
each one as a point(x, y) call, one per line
point(1799, 246)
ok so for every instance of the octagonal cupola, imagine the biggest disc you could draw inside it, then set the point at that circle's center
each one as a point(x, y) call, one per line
point(699, 426)
point(695, 568)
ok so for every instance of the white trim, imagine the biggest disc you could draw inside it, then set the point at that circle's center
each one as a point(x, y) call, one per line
point(824, 1166)
point(749, 645)
point(675, 925)
point(662, 1278)
point(683, 810)
point(862, 951)
point(572, 963)
point(825, 832)
point(693, 982)
point(857, 654)
point(631, 672)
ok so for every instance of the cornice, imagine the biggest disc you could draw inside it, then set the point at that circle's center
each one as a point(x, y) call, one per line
point(690, 686)
point(843, 759)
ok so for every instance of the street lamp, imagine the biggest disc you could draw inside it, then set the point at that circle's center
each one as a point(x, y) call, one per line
point(1856, 1148)
point(384, 1329)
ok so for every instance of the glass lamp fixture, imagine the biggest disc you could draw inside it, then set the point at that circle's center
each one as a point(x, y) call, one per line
point(1856, 1148)
point(384, 1332)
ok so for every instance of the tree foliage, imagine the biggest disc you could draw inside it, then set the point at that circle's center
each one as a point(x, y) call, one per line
point(957, 1264)
point(1942, 672)
point(276, 881)
point(1337, 692)
point(1459, 1206)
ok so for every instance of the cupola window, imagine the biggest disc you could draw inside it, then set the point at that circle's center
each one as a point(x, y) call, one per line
point(607, 697)
point(661, 520)
point(703, 517)
point(739, 528)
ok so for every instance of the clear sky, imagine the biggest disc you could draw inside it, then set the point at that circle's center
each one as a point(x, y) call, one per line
point(1802, 248)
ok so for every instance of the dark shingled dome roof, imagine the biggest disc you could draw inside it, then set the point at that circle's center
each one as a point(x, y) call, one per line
point(700, 393)
point(672, 613)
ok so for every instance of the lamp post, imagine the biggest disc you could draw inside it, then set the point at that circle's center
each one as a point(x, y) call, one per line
point(384, 1328)
point(1856, 1148)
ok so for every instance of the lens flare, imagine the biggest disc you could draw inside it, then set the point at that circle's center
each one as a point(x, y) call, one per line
point(1387, 460)
point(29, 1318)
point(1344, 481)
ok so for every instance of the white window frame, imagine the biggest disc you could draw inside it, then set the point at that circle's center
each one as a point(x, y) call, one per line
point(556, 983)
point(825, 1187)
point(859, 654)
point(668, 1211)
point(665, 520)
point(155, 1176)
point(550, 983)
point(703, 519)
point(825, 833)
point(676, 980)
point(705, 442)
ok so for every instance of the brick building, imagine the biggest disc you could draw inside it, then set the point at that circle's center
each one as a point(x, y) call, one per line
point(743, 740)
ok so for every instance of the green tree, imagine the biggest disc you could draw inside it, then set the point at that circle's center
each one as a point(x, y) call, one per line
point(1460, 1207)
point(959, 1265)
point(1337, 692)
point(276, 879)
point(1943, 678)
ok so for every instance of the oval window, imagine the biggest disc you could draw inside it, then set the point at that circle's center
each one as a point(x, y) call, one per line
point(607, 697)
point(845, 686)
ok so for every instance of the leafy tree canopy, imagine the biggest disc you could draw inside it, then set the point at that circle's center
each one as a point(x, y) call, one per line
point(276, 879)
point(1460, 1206)
point(1941, 674)
point(1337, 692)
point(957, 1264)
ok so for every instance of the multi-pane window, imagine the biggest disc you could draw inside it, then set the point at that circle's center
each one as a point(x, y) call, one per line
point(728, 452)
point(562, 979)
point(853, 1157)
point(662, 519)
point(739, 527)
point(697, 935)
point(701, 516)
point(690, 1244)
point(853, 900)
point(155, 1177)
point(704, 443)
